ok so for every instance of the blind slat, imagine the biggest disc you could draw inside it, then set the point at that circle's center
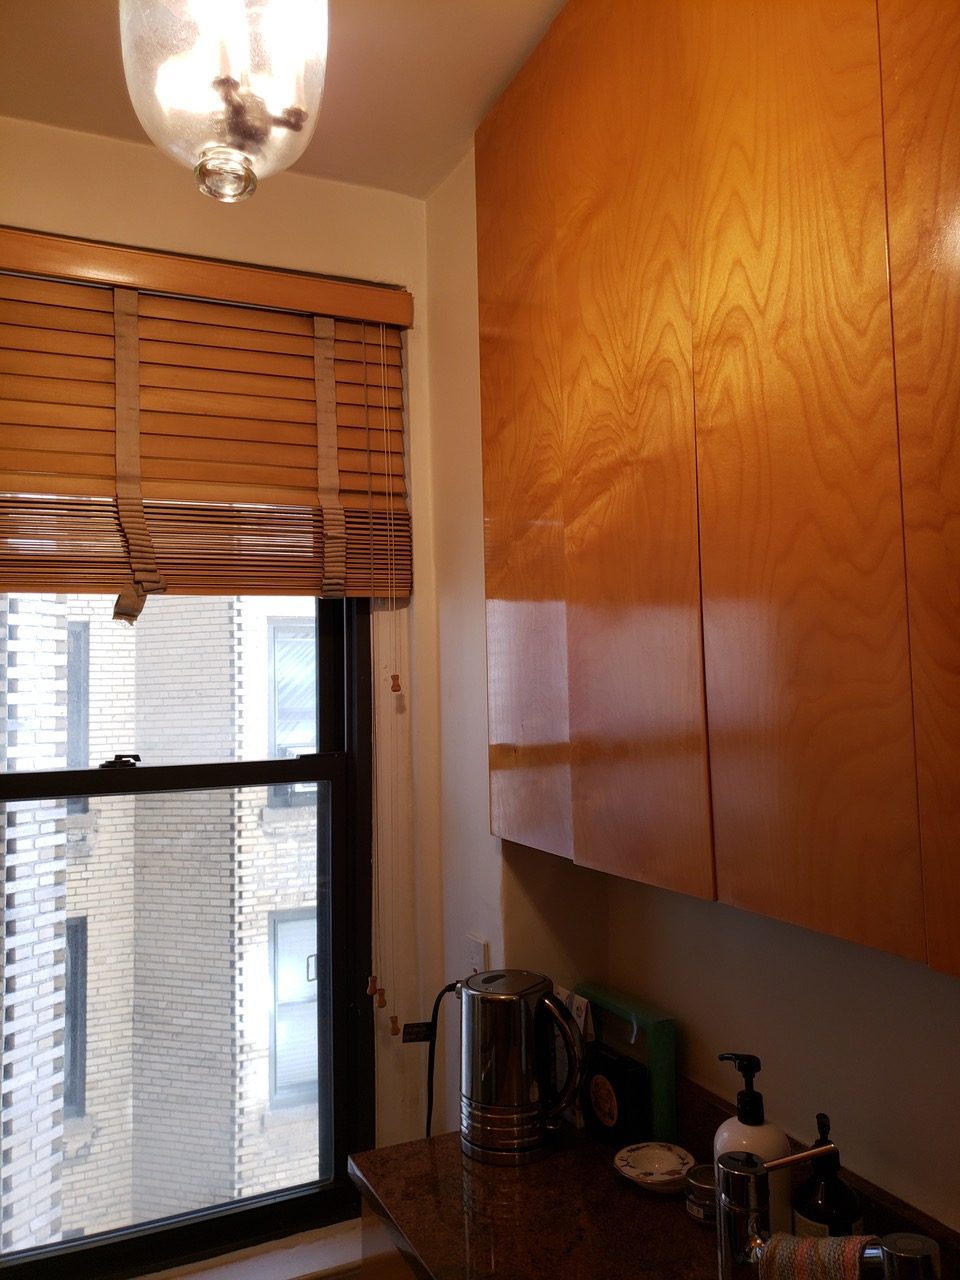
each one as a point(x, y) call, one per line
point(225, 429)
point(57, 293)
point(168, 400)
point(369, 396)
point(56, 391)
point(14, 337)
point(356, 415)
point(191, 356)
point(17, 441)
point(189, 311)
point(29, 413)
point(353, 372)
point(36, 364)
point(69, 319)
point(208, 335)
point(221, 383)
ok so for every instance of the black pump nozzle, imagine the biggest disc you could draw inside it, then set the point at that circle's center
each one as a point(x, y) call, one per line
point(749, 1101)
point(831, 1161)
point(748, 1064)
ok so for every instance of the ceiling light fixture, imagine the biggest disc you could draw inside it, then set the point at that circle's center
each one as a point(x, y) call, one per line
point(230, 88)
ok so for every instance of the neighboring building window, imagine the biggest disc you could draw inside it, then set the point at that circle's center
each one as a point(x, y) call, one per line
point(293, 1026)
point(292, 703)
point(78, 705)
point(75, 1023)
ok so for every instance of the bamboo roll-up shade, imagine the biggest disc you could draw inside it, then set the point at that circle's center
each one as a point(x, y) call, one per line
point(269, 445)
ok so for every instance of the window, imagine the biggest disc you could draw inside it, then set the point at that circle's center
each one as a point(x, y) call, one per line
point(191, 427)
point(293, 1026)
point(293, 702)
point(78, 704)
point(75, 1018)
point(292, 711)
point(213, 1056)
point(78, 694)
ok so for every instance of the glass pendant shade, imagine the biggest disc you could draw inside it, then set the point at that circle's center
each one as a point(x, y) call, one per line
point(230, 88)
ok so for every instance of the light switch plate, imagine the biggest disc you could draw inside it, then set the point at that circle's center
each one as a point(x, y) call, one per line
point(478, 954)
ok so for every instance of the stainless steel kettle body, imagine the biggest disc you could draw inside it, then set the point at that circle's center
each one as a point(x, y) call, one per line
point(508, 1101)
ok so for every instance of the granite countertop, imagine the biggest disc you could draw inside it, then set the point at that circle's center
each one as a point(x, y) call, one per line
point(570, 1216)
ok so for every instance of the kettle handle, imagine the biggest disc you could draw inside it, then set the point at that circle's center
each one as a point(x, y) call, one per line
point(573, 1042)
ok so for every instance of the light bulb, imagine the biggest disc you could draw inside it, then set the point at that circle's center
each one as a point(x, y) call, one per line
point(230, 88)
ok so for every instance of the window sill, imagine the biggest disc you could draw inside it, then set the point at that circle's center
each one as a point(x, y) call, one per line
point(330, 1251)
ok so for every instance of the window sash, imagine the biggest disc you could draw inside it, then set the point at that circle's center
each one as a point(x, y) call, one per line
point(345, 762)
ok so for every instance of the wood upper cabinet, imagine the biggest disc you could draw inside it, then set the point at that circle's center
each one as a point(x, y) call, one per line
point(523, 468)
point(720, 353)
point(589, 460)
point(920, 44)
point(804, 599)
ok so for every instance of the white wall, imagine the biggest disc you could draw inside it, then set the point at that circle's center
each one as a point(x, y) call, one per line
point(75, 184)
point(471, 856)
point(869, 1038)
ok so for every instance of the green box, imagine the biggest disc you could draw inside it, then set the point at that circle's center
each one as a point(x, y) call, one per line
point(646, 1033)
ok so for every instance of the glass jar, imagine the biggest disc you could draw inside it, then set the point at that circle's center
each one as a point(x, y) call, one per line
point(701, 1194)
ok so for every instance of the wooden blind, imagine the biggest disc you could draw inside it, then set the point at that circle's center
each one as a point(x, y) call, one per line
point(151, 441)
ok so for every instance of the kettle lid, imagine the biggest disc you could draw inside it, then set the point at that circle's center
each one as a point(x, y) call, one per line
point(508, 982)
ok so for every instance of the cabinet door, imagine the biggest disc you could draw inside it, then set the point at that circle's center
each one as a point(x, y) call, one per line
point(589, 465)
point(804, 609)
point(523, 467)
point(634, 646)
point(920, 46)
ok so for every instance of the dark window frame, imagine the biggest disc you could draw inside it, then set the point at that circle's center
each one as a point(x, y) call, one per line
point(344, 759)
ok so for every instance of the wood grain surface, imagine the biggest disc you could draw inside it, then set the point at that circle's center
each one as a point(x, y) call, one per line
point(637, 724)
point(523, 468)
point(589, 464)
point(807, 665)
point(920, 45)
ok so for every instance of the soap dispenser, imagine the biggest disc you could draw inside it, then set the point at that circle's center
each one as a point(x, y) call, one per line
point(749, 1131)
point(823, 1204)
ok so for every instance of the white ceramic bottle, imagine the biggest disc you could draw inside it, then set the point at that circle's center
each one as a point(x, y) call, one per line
point(749, 1131)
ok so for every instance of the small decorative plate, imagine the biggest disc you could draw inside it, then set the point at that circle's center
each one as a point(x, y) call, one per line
point(657, 1166)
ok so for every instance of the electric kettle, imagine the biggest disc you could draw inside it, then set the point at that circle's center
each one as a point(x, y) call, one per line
point(508, 1099)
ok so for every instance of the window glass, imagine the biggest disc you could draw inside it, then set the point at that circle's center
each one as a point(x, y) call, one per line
point(169, 1007)
point(168, 1036)
point(293, 709)
point(294, 983)
point(197, 679)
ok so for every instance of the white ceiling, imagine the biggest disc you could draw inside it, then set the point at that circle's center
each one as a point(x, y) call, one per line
point(408, 81)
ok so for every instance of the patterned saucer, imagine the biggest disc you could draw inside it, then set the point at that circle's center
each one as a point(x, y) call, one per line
point(656, 1166)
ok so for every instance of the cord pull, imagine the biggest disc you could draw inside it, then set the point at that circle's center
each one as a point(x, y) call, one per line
point(395, 683)
point(381, 998)
point(394, 1024)
point(372, 985)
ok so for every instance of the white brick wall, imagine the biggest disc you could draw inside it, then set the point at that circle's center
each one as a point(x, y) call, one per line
point(34, 867)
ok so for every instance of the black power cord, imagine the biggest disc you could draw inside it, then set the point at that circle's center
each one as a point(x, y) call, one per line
point(432, 1052)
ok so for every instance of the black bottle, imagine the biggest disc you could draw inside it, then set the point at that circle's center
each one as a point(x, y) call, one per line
point(824, 1205)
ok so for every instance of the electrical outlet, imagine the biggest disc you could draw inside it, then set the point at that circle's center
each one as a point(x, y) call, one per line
point(478, 954)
